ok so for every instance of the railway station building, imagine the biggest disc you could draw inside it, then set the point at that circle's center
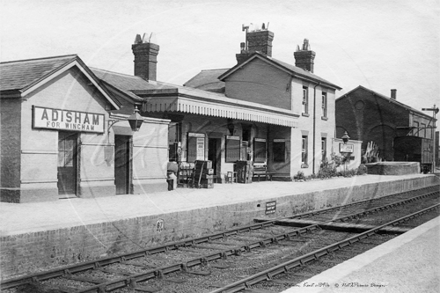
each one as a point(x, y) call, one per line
point(400, 132)
point(65, 130)
point(64, 135)
point(274, 115)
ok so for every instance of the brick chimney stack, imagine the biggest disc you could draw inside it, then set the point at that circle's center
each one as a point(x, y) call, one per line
point(304, 58)
point(257, 40)
point(393, 94)
point(145, 58)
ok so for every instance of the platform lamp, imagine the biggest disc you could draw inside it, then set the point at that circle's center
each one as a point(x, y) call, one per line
point(434, 112)
point(135, 120)
point(345, 139)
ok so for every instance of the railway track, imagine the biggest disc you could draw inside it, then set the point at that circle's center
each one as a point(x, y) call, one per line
point(314, 256)
point(350, 213)
point(179, 266)
point(370, 204)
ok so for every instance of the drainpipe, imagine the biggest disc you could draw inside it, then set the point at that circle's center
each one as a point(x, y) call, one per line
point(314, 125)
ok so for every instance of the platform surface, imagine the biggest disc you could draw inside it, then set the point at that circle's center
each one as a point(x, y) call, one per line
point(409, 263)
point(41, 216)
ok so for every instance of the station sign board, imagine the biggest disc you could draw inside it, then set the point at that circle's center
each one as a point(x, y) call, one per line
point(271, 207)
point(346, 148)
point(61, 119)
point(200, 144)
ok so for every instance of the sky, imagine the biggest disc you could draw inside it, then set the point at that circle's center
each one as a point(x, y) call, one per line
point(381, 45)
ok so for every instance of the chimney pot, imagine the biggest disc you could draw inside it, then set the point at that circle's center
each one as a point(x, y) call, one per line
point(393, 94)
point(304, 58)
point(257, 40)
point(145, 59)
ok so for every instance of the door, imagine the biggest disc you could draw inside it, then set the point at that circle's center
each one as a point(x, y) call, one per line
point(122, 164)
point(67, 163)
point(214, 156)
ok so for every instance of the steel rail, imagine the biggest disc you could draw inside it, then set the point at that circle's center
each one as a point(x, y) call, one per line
point(384, 207)
point(314, 255)
point(76, 268)
point(320, 211)
point(160, 272)
point(132, 280)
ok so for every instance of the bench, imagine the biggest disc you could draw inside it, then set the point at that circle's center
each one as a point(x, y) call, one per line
point(261, 170)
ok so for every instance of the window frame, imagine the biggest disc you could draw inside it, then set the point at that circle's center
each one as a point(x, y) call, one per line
point(323, 148)
point(423, 128)
point(234, 149)
point(305, 100)
point(324, 104)
point(260, 156)
point(279, 150)
point(416, 128)
point(304, 151)
point(173, 146)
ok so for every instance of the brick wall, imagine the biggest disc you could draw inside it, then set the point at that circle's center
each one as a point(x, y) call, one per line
point(261, 83)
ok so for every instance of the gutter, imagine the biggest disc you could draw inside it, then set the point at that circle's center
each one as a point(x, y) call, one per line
point(314, 126)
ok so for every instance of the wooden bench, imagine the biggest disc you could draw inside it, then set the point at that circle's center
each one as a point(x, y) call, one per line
point(261, 170)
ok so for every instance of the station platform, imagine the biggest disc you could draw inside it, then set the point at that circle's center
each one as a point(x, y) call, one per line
point(43, 235)
point(406, 264)
point(41, 216)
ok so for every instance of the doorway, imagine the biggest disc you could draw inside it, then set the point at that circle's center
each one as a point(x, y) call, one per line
point(122, 164)
point(214, 155)
point(67, 164)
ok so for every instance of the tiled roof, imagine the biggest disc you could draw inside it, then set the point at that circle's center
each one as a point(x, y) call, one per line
point(296, 71)
point(301, 71)
point(21, 74)
point(208, 80)
point(390, 100)
point(127, 83)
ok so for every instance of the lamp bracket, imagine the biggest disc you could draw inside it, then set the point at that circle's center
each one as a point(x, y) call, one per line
point(111, 122)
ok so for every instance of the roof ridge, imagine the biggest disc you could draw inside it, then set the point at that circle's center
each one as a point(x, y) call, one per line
point(115, 73)
point(216, 69)
point(289, 64)
point(297, 71)
point(40, 59)
point(389, 99)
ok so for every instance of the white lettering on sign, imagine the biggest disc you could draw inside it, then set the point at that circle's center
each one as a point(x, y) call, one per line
point(192, 134)
point(271, 207)
point(67, 120)
point(346, 148)
point(200, 148)
point(233, 137)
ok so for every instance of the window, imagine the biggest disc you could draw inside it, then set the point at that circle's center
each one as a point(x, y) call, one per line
point(423, 130)
point(305, 101)
point(279, 150)
point(324, 104)
point(196, 147)
point(304, 152)
point(416, 128)
point(428, 130)
point(260, 150)
point(324, 148)
point(232, 149)
point(66, 149)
